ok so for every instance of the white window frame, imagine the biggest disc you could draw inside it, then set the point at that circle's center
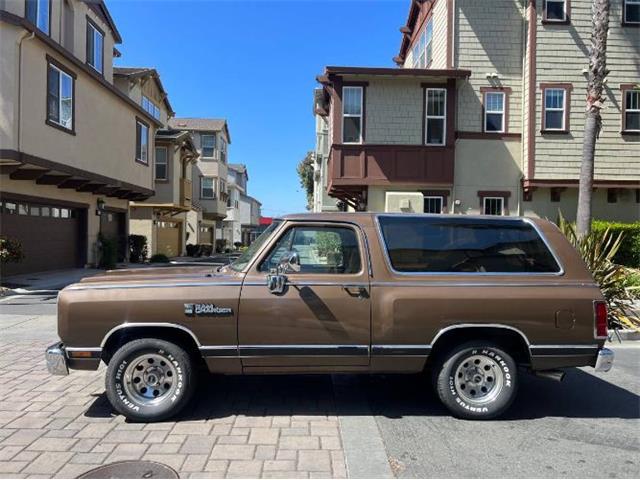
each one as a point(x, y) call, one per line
point(427, 117)
point(150, 107)
point(213, 188)
point(98, 55)
point(166, 163)
point(422, 53)
point(435, 197)
point(352, 115)
point(62, 73)
point(208, 135)
point(555, 109)
point(144, 129)
point(632, 110)
point(501, 112)
point(484, 206)
point(564, 11)
point(624, 12)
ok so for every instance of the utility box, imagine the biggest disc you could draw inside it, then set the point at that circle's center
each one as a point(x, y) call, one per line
point(404, 202)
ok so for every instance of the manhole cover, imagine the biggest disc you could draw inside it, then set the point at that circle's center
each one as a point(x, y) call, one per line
point(132, 469)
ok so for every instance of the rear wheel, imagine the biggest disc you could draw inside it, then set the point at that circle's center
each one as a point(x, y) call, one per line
point(149, 379)
point(477, 380)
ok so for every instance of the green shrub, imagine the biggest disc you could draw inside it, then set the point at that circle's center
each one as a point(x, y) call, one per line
point(10, 250)
point(159, 258)
point(221, 245)
point(629, 251)
point(598, 249)
point(193, 250)
point(108, 252)
point(138, 250)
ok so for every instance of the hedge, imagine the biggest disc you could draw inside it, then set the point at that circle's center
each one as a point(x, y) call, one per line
point(629, 252)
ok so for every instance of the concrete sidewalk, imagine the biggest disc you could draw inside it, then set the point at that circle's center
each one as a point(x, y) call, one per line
point(30, 283)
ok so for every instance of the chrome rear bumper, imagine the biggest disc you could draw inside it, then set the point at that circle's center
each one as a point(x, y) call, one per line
point(604, 363)
point(56, 360)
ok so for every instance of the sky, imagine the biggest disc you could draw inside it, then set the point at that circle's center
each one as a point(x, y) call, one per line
point(254, 63)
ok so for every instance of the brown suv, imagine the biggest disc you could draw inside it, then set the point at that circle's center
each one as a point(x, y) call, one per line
point(472, 299)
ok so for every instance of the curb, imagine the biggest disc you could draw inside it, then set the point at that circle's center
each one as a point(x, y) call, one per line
point(364, 450)
point(625, 335)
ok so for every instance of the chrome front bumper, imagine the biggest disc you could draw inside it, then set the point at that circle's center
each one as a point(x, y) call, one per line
point(56, 359)
point(605, 360)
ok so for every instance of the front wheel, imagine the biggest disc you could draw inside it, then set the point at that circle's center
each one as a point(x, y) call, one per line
point(477, 381)
point(149, 380)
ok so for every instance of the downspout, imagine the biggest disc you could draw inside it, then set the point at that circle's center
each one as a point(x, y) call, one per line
point(24, 36)
point(523, 105)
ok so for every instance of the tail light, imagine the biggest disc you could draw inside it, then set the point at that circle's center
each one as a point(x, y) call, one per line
point(600, 314)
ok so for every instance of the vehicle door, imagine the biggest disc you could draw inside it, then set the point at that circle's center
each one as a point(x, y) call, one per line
point(322, 316)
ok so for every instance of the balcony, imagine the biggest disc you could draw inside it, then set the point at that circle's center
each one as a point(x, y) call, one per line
point(186, 189)
point(354, 167)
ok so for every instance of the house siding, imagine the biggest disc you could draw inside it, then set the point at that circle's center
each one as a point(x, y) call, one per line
point(394, 112)
point(489, 39)
point(562, 54)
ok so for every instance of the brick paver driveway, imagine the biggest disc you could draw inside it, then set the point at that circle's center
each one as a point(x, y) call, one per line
point(280, 426)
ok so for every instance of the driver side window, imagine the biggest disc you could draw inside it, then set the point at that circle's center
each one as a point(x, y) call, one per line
point(332, 250)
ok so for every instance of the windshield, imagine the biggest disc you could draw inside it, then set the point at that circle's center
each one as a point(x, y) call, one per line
point(243, 260)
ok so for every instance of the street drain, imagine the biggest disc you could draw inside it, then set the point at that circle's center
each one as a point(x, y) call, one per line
point(132, 469)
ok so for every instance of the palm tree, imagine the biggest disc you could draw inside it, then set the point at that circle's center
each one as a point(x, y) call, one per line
point(593, 121)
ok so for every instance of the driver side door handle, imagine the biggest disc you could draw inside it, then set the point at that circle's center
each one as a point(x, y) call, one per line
point(356, 291)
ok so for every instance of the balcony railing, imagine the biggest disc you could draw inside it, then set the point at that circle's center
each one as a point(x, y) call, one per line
point(363, 165)
point(185, 192)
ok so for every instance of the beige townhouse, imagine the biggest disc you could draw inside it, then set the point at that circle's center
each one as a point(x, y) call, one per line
point(74, 150)
point(168, 219)
point(485, 113)
point(209, 174)
point(243, 211)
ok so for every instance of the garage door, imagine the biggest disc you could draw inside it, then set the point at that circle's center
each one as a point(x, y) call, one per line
point(169, 238)
point(52, 236)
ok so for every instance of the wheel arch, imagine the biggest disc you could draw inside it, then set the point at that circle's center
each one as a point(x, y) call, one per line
point(512, 339)
point(178, 334)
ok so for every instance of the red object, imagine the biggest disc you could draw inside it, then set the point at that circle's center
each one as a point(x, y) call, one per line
point(600, 313)
point(266, 220)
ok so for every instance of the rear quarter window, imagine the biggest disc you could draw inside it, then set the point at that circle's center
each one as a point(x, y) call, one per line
point(464, 245)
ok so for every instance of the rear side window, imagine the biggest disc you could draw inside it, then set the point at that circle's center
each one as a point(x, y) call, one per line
point(451, 245)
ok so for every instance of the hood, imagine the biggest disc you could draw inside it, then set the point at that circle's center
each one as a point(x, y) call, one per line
point(160, 274)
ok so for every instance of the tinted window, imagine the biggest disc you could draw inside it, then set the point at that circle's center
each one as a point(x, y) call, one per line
point(427, 244)
point(321, 250)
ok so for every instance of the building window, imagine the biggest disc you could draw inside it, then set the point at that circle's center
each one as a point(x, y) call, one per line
point(37, 12)
point(422, 52)
point(436, 109)
point(612, 195)
point(223, 150)
point(494, 112)
point(162, 171)
point(433, 204)
point(555, 194)
point(555, 11)
point(208, 145)
point(631, 111)
point(95, 42)
point(150, 107)
point(493, 206)
point(207, 187)
point(631, 12)
point(60, 101)
point(352, 114)
point(142, 142)
point(555, 109)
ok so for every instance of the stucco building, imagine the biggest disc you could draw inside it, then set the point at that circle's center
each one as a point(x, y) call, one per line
point(485, 112)
point(74, 149)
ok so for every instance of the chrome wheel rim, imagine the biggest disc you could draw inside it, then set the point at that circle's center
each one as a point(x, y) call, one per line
point(150, 378)
point(478, 379)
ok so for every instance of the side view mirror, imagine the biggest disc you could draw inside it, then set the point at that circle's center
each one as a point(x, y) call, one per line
point(289, 262)
point(277, 278)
